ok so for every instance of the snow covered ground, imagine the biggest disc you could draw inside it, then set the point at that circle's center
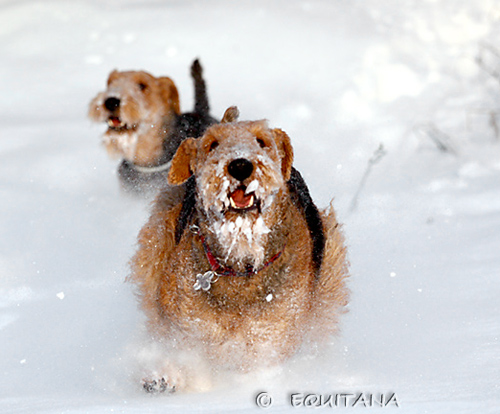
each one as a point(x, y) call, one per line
point(423, 225)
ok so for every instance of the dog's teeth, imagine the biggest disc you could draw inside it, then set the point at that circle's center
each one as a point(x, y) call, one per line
point(252, 187)
point(250, 203)
point(116, 123)
point(233, 204)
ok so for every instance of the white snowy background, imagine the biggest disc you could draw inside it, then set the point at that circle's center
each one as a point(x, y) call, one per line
point(420, 77)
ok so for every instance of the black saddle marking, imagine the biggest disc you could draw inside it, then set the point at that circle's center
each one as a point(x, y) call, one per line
point(187, 209)
point(302, 199)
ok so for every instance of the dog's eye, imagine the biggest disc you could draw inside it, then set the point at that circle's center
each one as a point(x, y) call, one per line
point(213, 145)
point(261, 142)
point(142, 86)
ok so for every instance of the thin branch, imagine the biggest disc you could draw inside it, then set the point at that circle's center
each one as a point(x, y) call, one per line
point(485, 49)
point(438, 137)
point(374, 159)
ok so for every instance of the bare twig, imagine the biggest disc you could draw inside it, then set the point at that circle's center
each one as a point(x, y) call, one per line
point(438, 137)
point(490, 114)
point(494, 124)
point(374, 159)
point(486, 49)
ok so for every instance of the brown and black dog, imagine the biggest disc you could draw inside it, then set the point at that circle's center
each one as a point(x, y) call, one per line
point(145, 126)
point(236, 265)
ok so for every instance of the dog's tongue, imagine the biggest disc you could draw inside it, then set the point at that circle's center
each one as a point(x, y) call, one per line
point(240, 199)
point(115, 121)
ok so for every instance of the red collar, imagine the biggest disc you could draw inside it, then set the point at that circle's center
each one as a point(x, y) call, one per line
point(220, 270)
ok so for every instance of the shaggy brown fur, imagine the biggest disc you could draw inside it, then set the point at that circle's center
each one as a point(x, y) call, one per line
point(247, 218)
point(145, 126)
point(138, 108)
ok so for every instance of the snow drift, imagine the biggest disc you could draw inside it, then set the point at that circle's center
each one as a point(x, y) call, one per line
point(341, 78)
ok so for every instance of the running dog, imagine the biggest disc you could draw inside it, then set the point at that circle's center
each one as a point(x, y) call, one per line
point(145, 126)
point(236, 266)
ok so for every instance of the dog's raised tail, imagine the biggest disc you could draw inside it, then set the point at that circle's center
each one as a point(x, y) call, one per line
point(201, 105)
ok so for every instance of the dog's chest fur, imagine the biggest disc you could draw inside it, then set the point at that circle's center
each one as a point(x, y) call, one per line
point(235, 308)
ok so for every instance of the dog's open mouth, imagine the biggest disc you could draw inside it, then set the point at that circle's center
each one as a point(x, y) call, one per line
point(117, 125)
point(240, 200)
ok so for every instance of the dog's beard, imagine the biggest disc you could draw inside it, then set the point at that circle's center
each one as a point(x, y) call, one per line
point(120, 144)
point(133, 119)
point(241, 232)
point(243, 239)
point(123, 142)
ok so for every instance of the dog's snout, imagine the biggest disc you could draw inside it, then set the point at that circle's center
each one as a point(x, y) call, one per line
point(240, 169)
point(112, 104)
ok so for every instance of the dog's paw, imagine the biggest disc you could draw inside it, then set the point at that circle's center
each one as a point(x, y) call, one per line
point(158, 386)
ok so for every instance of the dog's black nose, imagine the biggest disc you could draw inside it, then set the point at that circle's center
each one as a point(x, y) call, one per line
point(240, 168)
point(112, 103)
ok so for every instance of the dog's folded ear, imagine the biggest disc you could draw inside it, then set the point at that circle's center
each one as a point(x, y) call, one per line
point(169, 94)
point(286, 151)
point(181, 168)
point(231, 115)
point(112, 76)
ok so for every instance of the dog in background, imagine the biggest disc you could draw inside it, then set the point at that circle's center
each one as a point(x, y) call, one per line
point(236, 266)
point(145, 126)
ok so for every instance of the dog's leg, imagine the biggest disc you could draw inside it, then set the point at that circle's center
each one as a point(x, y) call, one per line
point(167, 369)
point(165, 377)
point(158, 386)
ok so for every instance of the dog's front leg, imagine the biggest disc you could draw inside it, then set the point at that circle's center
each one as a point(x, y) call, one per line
point(168, 368)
